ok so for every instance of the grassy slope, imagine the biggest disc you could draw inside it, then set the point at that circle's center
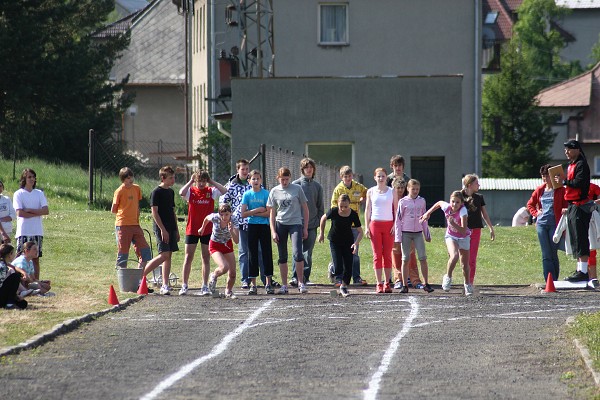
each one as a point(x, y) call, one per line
point(79, 253)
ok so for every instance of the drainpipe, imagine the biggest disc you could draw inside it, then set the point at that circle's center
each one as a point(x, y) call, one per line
point(477, 89)
point(223, 130)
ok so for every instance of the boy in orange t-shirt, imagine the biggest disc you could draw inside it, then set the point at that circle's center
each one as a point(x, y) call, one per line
point(126, 204)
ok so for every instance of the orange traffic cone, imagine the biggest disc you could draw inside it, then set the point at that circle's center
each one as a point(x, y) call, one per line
point(112, 297)
point(143, 289)
point(550, 284)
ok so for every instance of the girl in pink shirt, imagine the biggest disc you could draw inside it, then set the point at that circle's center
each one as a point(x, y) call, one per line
point(457, 238)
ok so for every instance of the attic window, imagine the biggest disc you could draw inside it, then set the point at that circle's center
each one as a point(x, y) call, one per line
point(491, 17)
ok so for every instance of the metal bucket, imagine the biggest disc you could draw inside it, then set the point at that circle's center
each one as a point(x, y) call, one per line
point(129, 279)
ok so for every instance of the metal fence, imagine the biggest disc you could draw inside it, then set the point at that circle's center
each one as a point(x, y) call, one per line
point(270, 158)
point(107, 158)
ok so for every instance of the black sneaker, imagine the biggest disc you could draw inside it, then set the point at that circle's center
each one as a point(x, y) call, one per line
point(293, 282)
point(274, 283)
point(578, 276)
point(404, 289)
point(593, 284)
point(344, 291)
point(427, 287)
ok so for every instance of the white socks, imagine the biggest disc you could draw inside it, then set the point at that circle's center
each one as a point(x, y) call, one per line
point(582, 266)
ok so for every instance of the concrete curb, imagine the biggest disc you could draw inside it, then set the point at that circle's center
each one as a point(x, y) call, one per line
point(585, 354)
point(64, 327)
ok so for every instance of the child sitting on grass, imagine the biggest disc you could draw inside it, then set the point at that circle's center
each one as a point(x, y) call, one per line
point(10, 280)
point(24, 264)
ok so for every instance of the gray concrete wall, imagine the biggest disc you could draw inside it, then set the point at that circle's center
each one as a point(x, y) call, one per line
point(389, 38)
point(419, 116)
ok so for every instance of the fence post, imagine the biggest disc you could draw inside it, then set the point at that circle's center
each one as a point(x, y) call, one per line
point(91, 167)
point(263, 162)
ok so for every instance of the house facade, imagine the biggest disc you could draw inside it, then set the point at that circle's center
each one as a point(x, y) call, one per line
point(352, 82)
point(583, 24)
point(154, 127)
point(577, 101)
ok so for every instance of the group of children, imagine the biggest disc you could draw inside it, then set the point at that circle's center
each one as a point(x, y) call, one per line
point(252, 217)
point(20, 267)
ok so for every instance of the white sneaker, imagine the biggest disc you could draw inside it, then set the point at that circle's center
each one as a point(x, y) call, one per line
point(212, 283)
point(164, 290)
point(205, 291)
point(468, 289)
point(283, 289)
point(302, 288)
point(446, 283)
point(184, 289)
point(398, 285)
point(230, 295)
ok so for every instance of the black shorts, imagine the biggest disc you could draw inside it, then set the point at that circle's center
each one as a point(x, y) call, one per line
point(163, 246)
point(193, 239)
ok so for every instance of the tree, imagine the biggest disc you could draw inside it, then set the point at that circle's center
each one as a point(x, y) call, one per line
point(595, 54)
point(518, 134)
point(518, 130)
point(54, 83)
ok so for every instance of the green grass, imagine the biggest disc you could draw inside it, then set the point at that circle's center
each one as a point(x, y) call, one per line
point(79, 256)
point(586, 328)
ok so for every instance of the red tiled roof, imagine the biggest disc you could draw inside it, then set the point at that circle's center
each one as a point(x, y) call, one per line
point(504, 22)
point(574, 92)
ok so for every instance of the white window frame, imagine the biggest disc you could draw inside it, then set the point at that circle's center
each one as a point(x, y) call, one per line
point(344, 41)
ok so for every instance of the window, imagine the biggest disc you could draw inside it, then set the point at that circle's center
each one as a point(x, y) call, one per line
point(596, 166)
point(334, 154)
point(333, 24)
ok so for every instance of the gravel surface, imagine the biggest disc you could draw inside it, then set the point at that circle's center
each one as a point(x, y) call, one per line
point(502, 343)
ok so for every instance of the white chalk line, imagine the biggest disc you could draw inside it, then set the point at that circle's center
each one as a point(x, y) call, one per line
point(217, 350)
point(373, 389)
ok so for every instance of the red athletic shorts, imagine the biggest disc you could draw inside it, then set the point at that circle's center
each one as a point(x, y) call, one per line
point(224, 248)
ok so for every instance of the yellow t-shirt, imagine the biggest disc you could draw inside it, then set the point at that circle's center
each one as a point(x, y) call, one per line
point(356, 191)
point(128, 205)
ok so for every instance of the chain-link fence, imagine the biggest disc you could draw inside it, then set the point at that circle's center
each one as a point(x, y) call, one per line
point(269, 159)
point(107, 158)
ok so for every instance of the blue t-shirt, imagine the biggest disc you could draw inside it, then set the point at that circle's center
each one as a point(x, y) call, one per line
point(21, 262)
point(254, 200)
point(546, 217)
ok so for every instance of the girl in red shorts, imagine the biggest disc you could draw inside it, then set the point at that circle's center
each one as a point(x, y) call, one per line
point(221, 247)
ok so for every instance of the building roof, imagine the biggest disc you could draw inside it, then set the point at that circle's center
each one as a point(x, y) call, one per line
point(504, 22)
point(127, 7)
point(156, 53)
point(574, 4)
point(574, 92)
point(513, 184)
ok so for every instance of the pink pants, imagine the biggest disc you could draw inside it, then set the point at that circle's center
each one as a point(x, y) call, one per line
point(475, 238)
point(382, 243)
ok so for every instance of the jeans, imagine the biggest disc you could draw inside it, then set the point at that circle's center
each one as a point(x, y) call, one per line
point(550, 263)
point(307, 249)
point(244, 258)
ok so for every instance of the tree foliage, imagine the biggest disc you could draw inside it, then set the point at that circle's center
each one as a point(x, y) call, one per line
point(54, 83)
point(518, 134)
point(519, 131)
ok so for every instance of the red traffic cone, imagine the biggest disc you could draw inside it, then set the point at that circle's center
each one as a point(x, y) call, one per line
point(550, 284)
point(143, 289)
point(112, 297)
